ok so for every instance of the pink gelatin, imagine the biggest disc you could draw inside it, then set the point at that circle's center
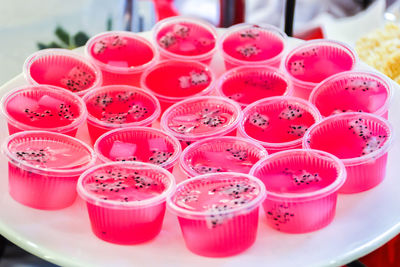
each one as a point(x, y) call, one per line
point(121, 56)
point(221, 154)
point(141, 144)
point(247, 44)
point(360, 140)
point(126, 201)
point(353, 92)
point(185, 38)
point(248, 84)
point(43, 107)
point(118, 106)
point(302, 187)
point(313, 61)
point(201, 117)
point(218, 213)
point(278, 123)
point(62, 68)
point(172, 81)
point(44, 167)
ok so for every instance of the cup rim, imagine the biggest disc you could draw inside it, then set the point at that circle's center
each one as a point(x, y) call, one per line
point(91, 198)
point(116, 69)
point(185, 213)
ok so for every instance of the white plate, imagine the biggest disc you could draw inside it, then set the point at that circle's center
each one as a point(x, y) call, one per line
point(363, 222)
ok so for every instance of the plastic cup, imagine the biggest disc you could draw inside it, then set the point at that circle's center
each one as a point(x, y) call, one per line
point(185, 38)
point(119, 106)
point(221, 154)
point(126, 200)
point(200, 117)
point(313, 61)
point(172, 81)
point(353, 92)
point(249, 44)
point(44, 167)
point(141, 144)
point(302, 188)
point(43, 107)
point(121, 56)
point(360, 140)
point(278, 123)
point(247, 84)
point(62, 68)
point(218, 212)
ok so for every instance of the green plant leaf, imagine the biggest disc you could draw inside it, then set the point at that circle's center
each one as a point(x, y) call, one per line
point(109, 24)
point(54, 45)
point(63, 35)
point(80, 39)
point(41, 46)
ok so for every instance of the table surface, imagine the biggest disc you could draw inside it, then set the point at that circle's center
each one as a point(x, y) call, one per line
point(363, 222)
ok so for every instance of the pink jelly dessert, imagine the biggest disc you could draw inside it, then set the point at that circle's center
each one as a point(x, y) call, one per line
point(126, 200)
point(44, 167)
point(142, 144)
point(360, 140)
point(218, 212)
point(117, 106)
point(172, 81)
point(279, 122)
point(43, 107)
point(201, 117)
point(248, 84)
point(248, 44)
point(353, 92)
point(302, 188)
point(185, 38)
point(221, 154)
point(121, 56)
point(62, 68)
point(313, 61)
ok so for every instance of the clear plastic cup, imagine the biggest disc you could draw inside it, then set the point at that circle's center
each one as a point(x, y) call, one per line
point(43, 168)
point(200, 117)
point(313, 61)
point(360, 140)
point(142, 144)
point(302, 187)
point(122, 56)
point(43, 107)
point(247, 84)
point(185, 38)
point(218, 212)
point(172, 81)
point(62, 68)
point(221, 154)
point(352, 91)
point(249, 44)
point(279, 122)
point(119, 106)
point(126, 200)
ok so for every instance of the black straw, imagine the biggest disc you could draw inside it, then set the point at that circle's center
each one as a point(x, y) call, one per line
point(289, 16)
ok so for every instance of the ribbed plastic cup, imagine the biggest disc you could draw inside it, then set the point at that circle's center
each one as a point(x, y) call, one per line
point(218, 212)
point(302, 187)
point(172, 81)
point(249, 44)
point(352, 91)
point(200, 117)
point(247, 84)
point(44, 167)
point(122, 56)
point(126, 200)
point(119, 106)
point(43, 107)
point(221, 154)
point(360, 140)
point(278, 123)
point(313, 61)
point(62, 68)
point(185, 38)
point(142, 144)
